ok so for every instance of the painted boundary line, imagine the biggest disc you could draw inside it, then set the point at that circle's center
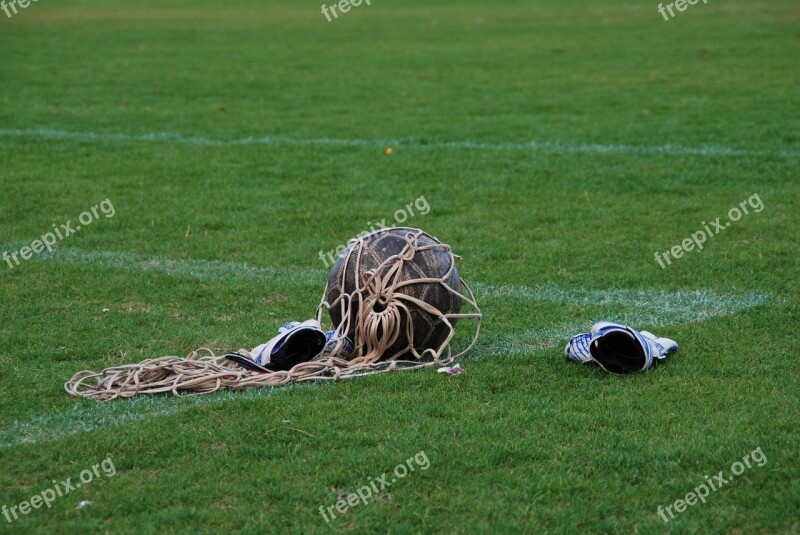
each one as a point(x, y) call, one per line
point(656, 307)
point(541, 146)
point(197, 269)
point(84, 418)
point(653, 307)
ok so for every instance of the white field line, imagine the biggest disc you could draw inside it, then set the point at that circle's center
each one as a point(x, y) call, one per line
point(199, 269)
point(84, 418)
point(541, 146)
point(641, 308)
point(638, 307)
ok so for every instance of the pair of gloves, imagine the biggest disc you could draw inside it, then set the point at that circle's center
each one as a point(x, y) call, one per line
point(618, 349)
point(296, 342)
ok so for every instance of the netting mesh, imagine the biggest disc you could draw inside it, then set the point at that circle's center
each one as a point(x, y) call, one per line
point(375, 329)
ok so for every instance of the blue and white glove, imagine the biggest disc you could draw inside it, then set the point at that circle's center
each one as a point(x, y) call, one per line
point(577, 349)
point(618, 349)
point(339, 345)
point(295, 343)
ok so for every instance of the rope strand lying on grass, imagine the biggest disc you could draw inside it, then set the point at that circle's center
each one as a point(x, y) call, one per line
point(193, 374)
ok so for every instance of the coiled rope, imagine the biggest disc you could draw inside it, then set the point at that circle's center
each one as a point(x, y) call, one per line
point(376, 330)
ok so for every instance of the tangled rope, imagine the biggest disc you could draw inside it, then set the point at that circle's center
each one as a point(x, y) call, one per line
point(376, 329)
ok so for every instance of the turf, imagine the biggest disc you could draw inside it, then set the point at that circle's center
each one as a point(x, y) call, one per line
point(558, 146)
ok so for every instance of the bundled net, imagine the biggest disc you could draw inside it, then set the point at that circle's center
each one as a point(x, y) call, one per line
point(395, 293)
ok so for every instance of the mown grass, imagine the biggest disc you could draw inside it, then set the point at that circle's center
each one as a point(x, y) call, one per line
point(523, 442)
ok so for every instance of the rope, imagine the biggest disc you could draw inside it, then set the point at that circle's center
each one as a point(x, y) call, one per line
point(202, 372)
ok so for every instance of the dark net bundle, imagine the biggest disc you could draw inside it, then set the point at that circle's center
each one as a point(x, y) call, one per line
point(397, 294)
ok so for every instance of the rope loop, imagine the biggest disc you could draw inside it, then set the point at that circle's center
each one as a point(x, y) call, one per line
point(375, 312)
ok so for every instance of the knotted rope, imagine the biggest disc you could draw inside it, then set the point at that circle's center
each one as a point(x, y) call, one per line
point(379, 316)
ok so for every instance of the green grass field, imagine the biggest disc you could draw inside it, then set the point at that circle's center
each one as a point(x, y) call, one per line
point(559, 145)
